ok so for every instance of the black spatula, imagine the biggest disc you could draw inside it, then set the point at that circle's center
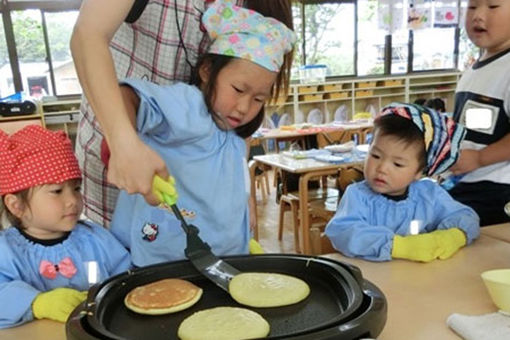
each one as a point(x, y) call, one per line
point(200, 254)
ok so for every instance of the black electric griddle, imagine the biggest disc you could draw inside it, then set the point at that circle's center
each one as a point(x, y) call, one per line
point(341, 304)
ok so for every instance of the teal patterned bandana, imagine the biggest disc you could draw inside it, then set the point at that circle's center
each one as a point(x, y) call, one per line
point(246, 34)
point(441, 134)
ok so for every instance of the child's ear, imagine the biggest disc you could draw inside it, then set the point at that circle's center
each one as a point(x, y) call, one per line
point(14, 204)
point(204, 72)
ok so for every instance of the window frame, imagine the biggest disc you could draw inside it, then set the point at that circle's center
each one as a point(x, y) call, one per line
point(48, 6)
point(44, 6)
point(387, 43)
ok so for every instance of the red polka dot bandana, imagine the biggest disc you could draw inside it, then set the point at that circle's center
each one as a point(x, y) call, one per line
point(34, 156)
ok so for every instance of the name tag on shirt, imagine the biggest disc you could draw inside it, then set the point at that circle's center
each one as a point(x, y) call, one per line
point(479, 117)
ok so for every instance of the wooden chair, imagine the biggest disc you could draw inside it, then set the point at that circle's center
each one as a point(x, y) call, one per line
point(318, 214)
point(290, 202)
point(364, 133)
point(260, 179)
point(348, 176)
point(260, 172)
point(325, 138)
point(319, 242)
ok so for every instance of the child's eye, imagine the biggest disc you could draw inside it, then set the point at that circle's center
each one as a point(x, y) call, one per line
point(260, 100)
point(398, 165)
point(77, 188)
point(376, 156)
point(238, 90)
point(57, 191)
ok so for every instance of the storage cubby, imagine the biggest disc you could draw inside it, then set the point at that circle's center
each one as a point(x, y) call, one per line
point(353, 95)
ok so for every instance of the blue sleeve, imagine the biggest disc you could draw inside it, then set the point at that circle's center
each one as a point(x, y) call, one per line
point(16, 296)
point(118, 258)
point(351, 233)
point(453, 214)
point(171, 113)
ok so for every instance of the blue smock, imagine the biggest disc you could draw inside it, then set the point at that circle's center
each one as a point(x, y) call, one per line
point(366, 222)
point(21, 276)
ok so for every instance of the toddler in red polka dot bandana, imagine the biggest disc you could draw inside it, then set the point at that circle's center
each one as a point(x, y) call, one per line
point(33, 156)
point(49, 256)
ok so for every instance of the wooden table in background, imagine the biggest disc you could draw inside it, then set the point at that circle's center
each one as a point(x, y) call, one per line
point(308, 168)
point(299, 134)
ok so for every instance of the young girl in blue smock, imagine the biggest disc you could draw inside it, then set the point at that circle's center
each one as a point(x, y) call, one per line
point(200, 130)
point(48, 256)
point(394, 212)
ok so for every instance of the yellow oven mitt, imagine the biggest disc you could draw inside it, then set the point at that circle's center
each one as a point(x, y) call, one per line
point(255, 247)
point(57, 304)
point(450, 241)
point(421, 247)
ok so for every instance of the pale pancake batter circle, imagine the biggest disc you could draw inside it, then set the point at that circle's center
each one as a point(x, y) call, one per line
point(163, 297)
point(223, 323)
point(267, 289)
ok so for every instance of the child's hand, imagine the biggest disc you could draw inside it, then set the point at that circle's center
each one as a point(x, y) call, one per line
point(57, 304)
point(450, 241)
point(421, 247)
point(469, 160)
point(160, 186)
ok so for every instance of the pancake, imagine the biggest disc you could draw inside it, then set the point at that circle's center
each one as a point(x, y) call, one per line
point(267, 289)
point(223, 323)
point(163, 297)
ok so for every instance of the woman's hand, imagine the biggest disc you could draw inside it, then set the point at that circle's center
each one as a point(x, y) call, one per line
point(132, 167)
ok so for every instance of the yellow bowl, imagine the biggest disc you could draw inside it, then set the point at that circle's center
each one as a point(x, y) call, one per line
point(498, 284)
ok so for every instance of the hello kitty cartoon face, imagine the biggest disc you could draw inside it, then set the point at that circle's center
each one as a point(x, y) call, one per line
point(150, 231)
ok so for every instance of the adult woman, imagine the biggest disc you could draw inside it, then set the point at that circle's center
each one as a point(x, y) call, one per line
point(160, 41)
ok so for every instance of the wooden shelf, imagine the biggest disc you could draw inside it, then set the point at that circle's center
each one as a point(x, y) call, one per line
point(360, 94)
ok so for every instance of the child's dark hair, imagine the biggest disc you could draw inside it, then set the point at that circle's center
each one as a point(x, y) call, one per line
point(436, 104)
point(215, 63)
point(404, 130)
point(420, 101)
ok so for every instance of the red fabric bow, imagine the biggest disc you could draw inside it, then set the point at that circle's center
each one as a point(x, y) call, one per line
point(65, 267)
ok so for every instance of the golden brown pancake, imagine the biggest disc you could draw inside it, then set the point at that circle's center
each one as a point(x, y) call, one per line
point(163, 297)
point(223, 323)
point(267, 289)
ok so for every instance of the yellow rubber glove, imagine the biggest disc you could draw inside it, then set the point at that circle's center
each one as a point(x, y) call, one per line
point(159, 186)
point(421, 247)
point(450, 241)
point(57, 304)
point(255, 247)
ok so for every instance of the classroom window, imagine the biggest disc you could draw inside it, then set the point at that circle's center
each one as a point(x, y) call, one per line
point(349, 36)
point(39, 34)
point(468, 52)
point(378, 26)
point(433, 49)
point(325, 36)
point(30, 48)
point(60, 26)
point(6, 81)
point(371, 39)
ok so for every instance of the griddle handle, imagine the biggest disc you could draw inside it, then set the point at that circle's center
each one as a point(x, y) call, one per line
point(356, 272)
